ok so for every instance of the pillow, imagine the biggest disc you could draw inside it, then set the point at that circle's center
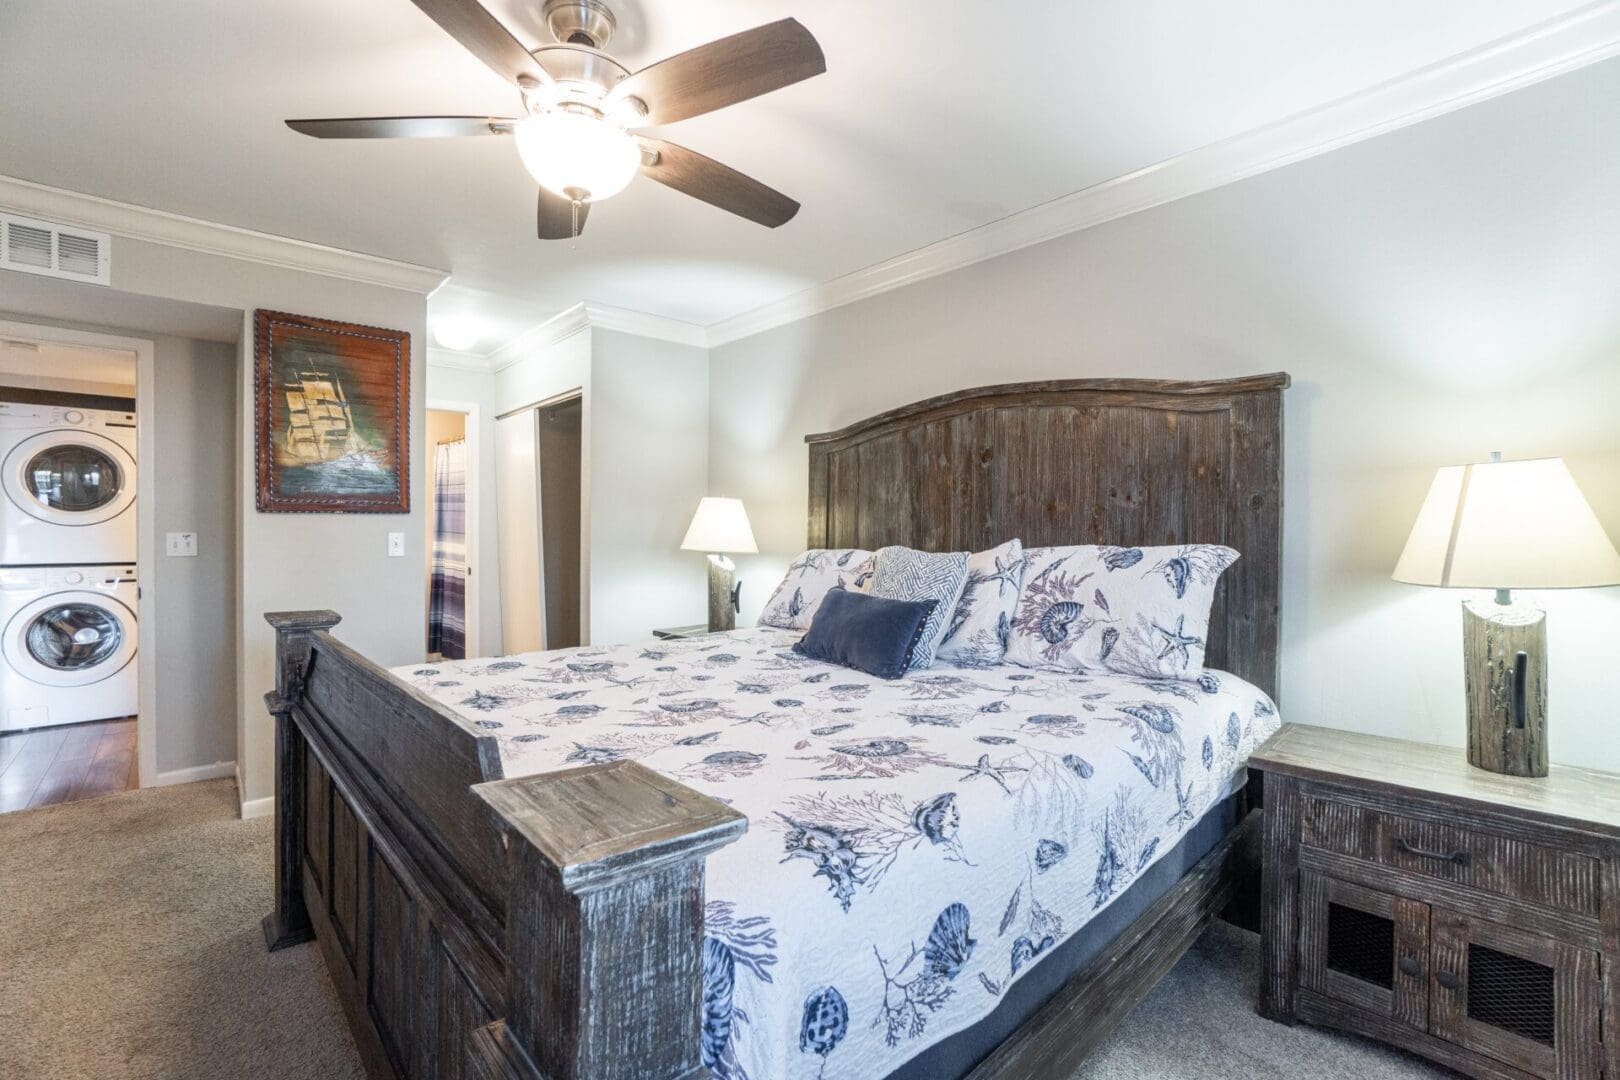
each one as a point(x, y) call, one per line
point(809, 578)
point(867, 633)
point(906, 574)
point(1134, 611)
point(976, 635)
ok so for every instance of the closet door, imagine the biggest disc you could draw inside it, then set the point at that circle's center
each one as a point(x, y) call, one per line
point(518, 515)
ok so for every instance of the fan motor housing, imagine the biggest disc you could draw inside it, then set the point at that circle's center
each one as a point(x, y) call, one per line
point(580, 22)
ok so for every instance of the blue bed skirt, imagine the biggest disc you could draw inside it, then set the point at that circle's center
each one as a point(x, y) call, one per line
point(957, 1055)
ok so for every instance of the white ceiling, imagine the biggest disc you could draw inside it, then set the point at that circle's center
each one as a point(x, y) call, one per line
point(934, 117)
point(45, 360)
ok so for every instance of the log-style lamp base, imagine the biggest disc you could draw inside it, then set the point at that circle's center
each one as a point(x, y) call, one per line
point(722, 593)
point(1505, 676)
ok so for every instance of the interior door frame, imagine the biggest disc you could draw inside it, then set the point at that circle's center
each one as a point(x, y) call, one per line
point(471, 412)
point(146, 546)
point(583, 631)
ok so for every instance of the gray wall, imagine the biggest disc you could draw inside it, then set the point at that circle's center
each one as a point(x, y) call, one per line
point(649, 464)
point(1437, 293)
point(196, 486)
point(645, 436)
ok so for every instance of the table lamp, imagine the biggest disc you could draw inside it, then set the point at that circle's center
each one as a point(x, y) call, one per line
point(718, 527)
point(1505, 525)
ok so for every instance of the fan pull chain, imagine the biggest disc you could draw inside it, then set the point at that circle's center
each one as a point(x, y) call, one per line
point(573, 243)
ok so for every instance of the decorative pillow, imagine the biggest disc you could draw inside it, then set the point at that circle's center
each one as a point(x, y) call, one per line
point(1135, 611)
point(976, 635)
point(906, 574)
point(867, 633)
point(808, 580)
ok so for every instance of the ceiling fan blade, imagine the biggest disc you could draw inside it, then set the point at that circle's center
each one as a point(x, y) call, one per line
point(483, 35)
point(724, 72)
point(402, 127)
point(556, 217)
point(690, 173)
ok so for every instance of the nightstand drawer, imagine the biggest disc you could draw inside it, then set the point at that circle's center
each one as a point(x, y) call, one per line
point(1477, 858)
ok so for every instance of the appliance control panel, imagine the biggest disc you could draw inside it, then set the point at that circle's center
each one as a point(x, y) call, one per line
point(16, 415)
point(47, 578)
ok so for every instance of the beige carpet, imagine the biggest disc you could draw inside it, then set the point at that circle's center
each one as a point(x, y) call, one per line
point(130, 948)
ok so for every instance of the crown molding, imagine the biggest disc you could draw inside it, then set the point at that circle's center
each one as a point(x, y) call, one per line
point(564, 325)
point(457, 361)
point(194, 234)
point(642, 324)
point(1574, 40)
point(557, 329)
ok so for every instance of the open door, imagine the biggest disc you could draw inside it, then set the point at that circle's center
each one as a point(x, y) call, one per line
point(540, 518)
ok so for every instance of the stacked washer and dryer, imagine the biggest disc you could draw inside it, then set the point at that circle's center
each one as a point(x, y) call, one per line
point(67, 565)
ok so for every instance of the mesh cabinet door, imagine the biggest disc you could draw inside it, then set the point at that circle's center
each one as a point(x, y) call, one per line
point(1364, 948)
point(1527, 1000)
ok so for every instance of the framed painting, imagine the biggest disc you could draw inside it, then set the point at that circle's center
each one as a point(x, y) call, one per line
point(332, 416)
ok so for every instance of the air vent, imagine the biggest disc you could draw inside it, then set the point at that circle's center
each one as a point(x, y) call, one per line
point(39, 247)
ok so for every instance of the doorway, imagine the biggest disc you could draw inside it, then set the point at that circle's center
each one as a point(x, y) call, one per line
point(558, 431)
point(540, 455)
point(450, 473)
point(71, 687)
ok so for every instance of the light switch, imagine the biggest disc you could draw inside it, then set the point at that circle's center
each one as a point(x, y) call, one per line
point(181, 545)
point(396, 545)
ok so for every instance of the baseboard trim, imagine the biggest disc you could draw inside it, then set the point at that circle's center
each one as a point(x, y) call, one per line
point(217, 771)
point(253, 808)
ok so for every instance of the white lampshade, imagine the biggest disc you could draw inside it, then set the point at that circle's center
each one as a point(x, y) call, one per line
point(572, 152)
point(720, 525)
point(1508, 525)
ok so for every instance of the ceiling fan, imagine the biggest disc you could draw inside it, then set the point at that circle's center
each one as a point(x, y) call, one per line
point(582, 108)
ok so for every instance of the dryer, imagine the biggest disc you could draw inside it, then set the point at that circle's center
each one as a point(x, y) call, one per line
point(67, 645)
point(67, 485)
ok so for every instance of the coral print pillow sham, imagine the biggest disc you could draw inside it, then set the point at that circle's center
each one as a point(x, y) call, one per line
point(809, 578)
point(977, 634)
point(1134, 611)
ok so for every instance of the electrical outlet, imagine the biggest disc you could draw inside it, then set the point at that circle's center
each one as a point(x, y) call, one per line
point(396, 545)
point(181, 545)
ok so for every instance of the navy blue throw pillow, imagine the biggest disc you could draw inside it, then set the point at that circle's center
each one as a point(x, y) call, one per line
point(867, 633)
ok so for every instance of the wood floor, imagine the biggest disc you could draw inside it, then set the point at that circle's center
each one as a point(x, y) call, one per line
point(54, 765)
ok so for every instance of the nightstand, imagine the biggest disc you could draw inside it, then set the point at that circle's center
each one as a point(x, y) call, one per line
point(1467, 916)
point(671, 633)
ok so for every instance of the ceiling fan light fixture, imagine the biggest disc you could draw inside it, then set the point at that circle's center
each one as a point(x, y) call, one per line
point(572, 152)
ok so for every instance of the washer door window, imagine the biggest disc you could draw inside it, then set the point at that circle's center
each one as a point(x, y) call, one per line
point(70, 639)
point(70, 478)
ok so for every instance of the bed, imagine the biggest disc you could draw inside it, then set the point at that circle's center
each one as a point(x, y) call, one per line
point(713, 856)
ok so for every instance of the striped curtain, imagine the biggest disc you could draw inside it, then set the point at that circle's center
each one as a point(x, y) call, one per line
point(447, 626)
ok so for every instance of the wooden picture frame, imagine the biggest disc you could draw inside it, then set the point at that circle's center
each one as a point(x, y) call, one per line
point(331, 416)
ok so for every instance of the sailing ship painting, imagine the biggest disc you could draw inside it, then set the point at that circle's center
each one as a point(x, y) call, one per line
point(332, 409)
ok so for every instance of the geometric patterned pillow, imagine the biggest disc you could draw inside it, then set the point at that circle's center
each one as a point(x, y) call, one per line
point(977, 633)
point(1133, 611)
point(907, 574)
point(808, 580)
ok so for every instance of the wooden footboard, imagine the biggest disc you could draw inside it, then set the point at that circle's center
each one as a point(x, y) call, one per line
point(475, 926)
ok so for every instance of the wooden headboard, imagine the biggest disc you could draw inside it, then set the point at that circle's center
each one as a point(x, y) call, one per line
point(1077, 461)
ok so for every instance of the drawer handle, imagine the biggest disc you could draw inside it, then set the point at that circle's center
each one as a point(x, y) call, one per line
point(1409, 966)
point(1447, 980)
point(1459, 858)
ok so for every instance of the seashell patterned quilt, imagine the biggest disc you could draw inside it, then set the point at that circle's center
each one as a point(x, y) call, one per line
point(914, 846)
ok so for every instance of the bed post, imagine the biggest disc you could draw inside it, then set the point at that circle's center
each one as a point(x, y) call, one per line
point(288, 923)
point(604, 924)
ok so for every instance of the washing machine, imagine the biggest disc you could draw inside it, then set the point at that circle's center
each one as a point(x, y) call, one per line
point(67, 645)
point(68, 480)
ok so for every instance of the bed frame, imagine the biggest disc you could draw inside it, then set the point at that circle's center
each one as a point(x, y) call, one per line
point(551, 926)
